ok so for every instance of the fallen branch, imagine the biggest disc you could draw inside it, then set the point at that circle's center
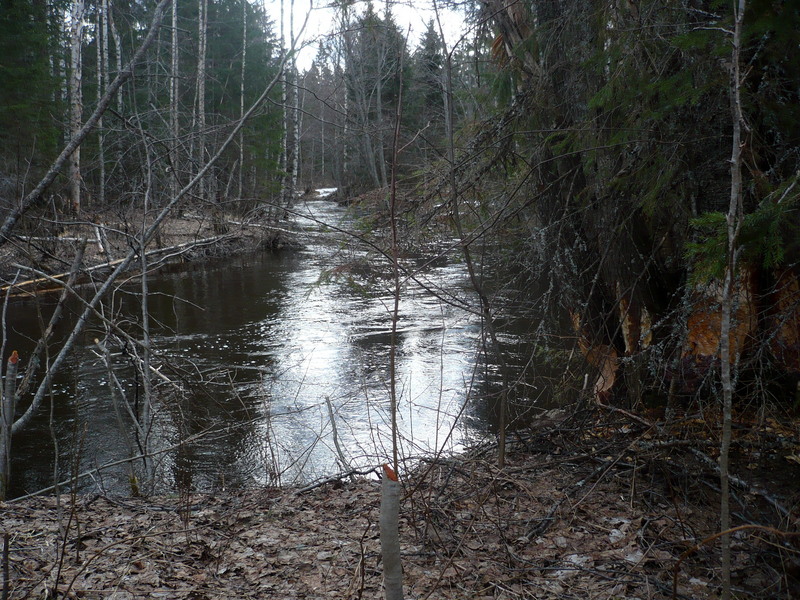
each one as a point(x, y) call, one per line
point(741, 483)
point(336, 479)
point(52, 238)
point(713, 537)
point(180, 248)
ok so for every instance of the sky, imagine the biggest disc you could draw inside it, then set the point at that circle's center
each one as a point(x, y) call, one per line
point(411, 16)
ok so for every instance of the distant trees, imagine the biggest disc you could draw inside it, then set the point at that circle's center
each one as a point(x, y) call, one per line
point(353, 86)
point(31, 95)
point(58, 59)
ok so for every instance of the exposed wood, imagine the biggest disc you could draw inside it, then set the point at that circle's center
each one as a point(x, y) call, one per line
point(601, 356)
point(785, 322)
point(390, 535)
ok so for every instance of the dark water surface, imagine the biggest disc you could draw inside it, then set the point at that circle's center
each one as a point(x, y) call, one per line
point(263, 345)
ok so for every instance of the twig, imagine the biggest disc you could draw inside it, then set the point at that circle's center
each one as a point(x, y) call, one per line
point(335, 479)
point(711, 538)
point(741, 483)
point(105, 265)
point(342, 457)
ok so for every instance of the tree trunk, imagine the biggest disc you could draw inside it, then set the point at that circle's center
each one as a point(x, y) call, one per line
point(291, 122)
point(202, 30)
point(118, 46)
point(173, 103)
point(7, 409)
point(734, 221)
point(102, 84)
point(75, 101)
point(241, 101)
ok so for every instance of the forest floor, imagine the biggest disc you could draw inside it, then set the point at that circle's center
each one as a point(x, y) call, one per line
point(591, 505)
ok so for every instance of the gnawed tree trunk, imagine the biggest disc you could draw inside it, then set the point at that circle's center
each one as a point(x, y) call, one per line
point(705, 324)
point(603, 357)
point(785, 320)
point(390, 535)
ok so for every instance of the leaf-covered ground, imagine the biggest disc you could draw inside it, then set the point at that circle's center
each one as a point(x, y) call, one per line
point(579, 511)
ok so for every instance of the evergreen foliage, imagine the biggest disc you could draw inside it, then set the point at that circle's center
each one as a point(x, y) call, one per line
point(614, 126)
point(32, 109)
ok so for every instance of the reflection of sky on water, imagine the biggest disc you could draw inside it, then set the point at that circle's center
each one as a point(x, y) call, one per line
point(261, 341)
point(325, 351)
point(330, 340)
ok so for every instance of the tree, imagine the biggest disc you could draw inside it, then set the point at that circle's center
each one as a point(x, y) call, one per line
point(372, 51)
point(30, 96)
point(76, 100)
point(618, 164)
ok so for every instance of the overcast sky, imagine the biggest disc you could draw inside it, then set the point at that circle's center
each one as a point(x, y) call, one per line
point(411, 17)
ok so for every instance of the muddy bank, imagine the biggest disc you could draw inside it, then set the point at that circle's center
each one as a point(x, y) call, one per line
point(599, 509)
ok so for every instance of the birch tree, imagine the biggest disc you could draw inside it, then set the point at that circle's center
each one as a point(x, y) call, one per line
point(101, 44)
point(290, 102)
point(173, 101)
point(76, 100)
point(241, 99)
point(200, 90)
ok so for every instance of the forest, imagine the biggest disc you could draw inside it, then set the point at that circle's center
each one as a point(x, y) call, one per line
point(616, 181)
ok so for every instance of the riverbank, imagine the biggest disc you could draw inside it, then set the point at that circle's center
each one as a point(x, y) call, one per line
point(47, 248)
point(590, 506)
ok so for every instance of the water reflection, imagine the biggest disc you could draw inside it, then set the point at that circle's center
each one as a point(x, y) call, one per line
point(265, 346)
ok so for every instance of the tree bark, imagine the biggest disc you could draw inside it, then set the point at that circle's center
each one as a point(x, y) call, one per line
point(734, 221)
point(7, 408)
point(201, 89)
point(76, 101)
point(241, 100)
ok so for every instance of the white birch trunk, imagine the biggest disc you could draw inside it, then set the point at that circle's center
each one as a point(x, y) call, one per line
point(118, 48)
point(290, 108)
point(201, 90)
point(102, 84)
point(241, 100)
point(75, 101)
point(173, 102)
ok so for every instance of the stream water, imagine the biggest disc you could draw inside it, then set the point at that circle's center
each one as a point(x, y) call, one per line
point(265, 348)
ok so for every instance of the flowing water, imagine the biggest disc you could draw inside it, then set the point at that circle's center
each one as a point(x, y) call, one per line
point(265, 348)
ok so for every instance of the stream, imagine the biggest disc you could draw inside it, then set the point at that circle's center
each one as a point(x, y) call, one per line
point(265, 348)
